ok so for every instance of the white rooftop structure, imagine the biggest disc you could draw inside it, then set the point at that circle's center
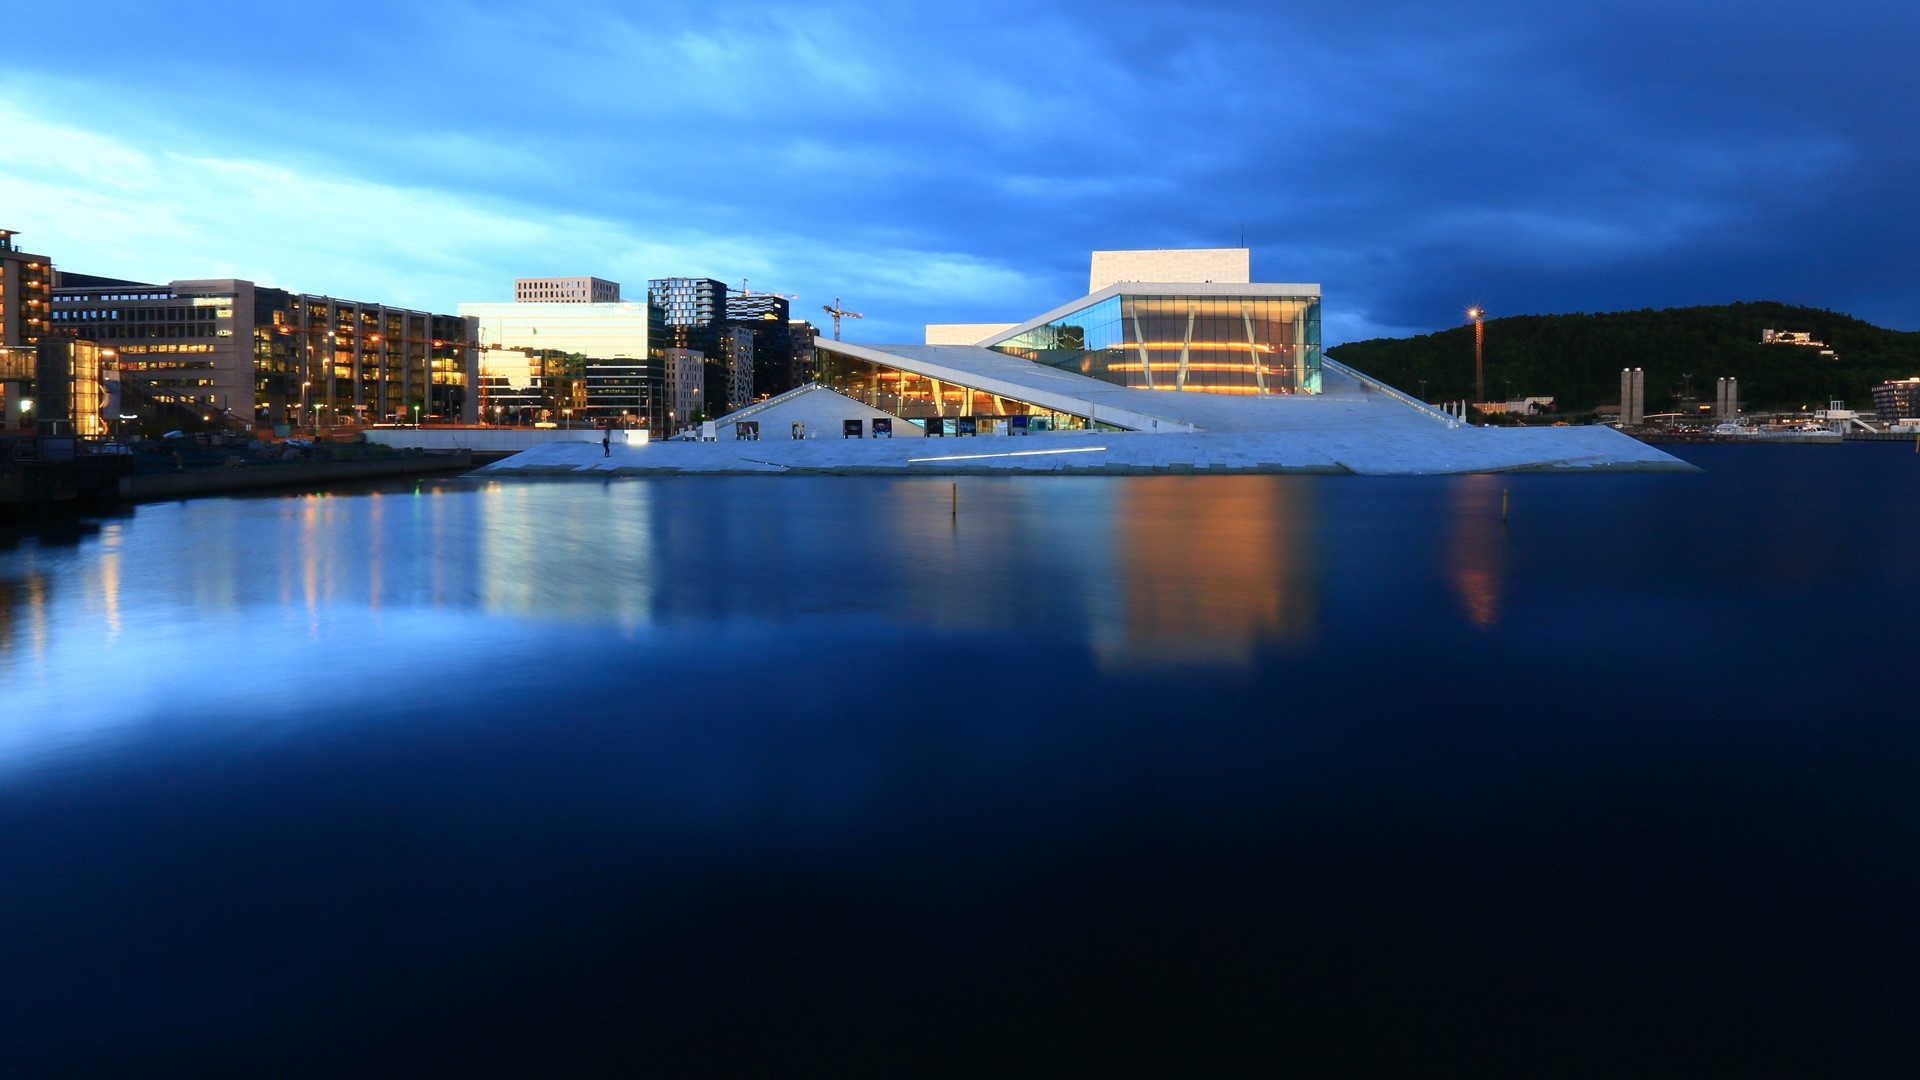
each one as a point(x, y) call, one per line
point(1226, 266)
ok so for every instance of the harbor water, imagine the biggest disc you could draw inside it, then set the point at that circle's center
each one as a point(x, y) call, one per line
point(864, 776)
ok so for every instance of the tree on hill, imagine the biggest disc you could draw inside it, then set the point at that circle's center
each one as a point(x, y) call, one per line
point(1577, 358)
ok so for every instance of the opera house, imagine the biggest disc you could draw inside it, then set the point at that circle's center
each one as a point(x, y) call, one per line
point(1174, 361)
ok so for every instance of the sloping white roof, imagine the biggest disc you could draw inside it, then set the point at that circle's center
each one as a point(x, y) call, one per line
point(1348, 400)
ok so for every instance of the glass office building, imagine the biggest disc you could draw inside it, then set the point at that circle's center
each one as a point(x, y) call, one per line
point(1251, 343)
point(598, 361)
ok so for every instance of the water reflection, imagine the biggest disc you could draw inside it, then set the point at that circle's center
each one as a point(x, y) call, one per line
point(1169, 570)
point(23, 607)
point(1211, 567)
point(1477, 545)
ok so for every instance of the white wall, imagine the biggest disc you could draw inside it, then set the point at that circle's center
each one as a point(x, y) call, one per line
point(1188, 265)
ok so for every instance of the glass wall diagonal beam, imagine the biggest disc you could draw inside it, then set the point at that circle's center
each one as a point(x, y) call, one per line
point(1211, 344)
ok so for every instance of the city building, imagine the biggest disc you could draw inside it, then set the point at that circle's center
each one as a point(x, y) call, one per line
point(25, 293)
point(566, 290)
point(1897, 400)
point(73, 385)
point(590, 361)
point(1138, 376)
point(768, 318)
point(18, 369)
point(685, 387)
point(25, 298)
point(687, 301)
point(694, 314)
point(800, 336)
point(231, 351)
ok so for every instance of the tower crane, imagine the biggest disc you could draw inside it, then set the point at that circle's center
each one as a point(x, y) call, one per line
point(834, 310)
point(744, 291)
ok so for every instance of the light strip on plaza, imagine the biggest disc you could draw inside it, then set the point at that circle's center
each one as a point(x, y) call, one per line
point(1015, 453)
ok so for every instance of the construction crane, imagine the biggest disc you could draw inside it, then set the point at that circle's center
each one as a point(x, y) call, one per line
point(834, 310)
point(744, 291)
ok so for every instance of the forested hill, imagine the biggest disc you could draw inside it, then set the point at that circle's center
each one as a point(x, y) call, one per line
point(1577, 358)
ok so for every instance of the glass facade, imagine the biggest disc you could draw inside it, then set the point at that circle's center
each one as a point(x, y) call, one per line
point(574, 361)
point(1214, 344)
point(925, 401)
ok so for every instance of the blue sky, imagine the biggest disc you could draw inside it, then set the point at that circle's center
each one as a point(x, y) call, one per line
point(957, 164)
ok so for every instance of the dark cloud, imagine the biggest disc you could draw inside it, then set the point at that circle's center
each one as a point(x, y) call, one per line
point(1412, 157)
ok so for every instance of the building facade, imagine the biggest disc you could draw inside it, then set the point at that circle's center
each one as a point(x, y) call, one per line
point(1897, 400)
point(694, 317)
point(685, 301)
point(566, 290)
point(25, 300)
point(73, 383)
point(26, 293)
point(565, 360)
point(1226, 266)
point(768, 318)
point(800, 338)
point(234, 351)
point(1080, 366)
point(1221, 339)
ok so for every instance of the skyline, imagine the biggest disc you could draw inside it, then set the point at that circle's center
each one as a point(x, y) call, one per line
point(925, 167)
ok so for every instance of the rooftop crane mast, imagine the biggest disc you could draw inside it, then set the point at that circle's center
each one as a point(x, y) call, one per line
point(744, 291)
point(835, 310)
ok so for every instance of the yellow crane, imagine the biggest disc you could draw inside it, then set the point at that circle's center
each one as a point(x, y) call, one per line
point(835, 310)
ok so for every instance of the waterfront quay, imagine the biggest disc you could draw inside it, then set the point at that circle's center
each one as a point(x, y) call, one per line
point(55, 473)
point(1429, 450)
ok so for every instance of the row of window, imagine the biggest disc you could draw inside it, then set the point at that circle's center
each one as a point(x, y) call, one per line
point(111, 332)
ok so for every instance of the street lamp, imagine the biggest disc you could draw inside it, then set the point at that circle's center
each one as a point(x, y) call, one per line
point(416, 416)
point(316, 415)
point(303, 395)
point(1479, 379)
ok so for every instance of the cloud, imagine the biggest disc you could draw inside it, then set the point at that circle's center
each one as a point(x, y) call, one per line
point(101, 206)
point(928, 164)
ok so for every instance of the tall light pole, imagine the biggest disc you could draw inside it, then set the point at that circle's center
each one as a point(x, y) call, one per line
point(1479, 375)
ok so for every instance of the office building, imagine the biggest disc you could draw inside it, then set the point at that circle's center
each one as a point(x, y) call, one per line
point(73, 383)
point(1898, 399)
point(694, 314)
point(800, 336)
point(686, 302)
point(592, 361)
point(685, 387)
point(566, 290)
point(235, 352)
point(767, 317)
point(25, 297)
point(25, 293)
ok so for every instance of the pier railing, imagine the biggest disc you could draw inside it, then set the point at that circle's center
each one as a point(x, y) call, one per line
point(1402, 397)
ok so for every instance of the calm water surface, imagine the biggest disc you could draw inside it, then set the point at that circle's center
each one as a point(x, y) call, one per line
point(812, 776)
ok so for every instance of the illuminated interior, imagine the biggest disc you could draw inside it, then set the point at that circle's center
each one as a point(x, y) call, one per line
point(1212, 344)
point(921, 399)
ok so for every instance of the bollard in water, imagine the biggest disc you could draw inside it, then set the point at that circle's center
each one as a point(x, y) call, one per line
point(956, 500)
point(1503, 504)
